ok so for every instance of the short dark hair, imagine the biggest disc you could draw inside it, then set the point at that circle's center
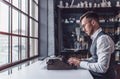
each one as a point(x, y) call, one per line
point(90, 15)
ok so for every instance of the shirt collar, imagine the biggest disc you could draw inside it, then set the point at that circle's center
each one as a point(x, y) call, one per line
point(94, 35)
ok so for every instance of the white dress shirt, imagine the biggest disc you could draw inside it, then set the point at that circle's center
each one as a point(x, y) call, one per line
point(105, 47)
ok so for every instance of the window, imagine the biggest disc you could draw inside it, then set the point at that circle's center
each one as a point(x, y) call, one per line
point(18, 31)
point(23, 47)
point(14, 21)
point(24, 25)
point(33, 9)
point(33, 28)
point(24, 6)
point(4, 49)
point(15, 48)
point(4, 13)
point(15, 3)
point(33, 47)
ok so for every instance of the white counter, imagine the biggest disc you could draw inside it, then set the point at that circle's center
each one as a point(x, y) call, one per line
point(38, 70)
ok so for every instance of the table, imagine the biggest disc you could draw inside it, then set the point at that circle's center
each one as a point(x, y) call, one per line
point(38, 70)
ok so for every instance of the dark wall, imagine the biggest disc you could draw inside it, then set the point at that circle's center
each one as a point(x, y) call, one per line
point(43, 19)
point(56, 2)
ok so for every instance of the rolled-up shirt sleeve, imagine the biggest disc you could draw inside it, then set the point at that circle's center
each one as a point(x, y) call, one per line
point(105, 47)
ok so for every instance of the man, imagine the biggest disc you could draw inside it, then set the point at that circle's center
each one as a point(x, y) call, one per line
point(100, 64)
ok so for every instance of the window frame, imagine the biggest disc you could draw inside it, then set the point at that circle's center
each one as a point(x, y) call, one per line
point(19, 35)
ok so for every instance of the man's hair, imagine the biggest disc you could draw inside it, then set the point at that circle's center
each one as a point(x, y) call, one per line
point(90, 15)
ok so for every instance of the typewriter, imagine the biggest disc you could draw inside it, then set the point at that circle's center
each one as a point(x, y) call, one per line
point(62, 64)
point(57, 64)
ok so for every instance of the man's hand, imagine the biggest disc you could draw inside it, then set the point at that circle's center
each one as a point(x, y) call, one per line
point(74, 61)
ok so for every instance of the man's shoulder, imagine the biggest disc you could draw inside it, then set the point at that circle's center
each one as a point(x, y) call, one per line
point(106, 37)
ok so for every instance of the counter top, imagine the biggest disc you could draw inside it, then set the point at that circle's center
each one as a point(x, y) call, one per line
point(38, 70)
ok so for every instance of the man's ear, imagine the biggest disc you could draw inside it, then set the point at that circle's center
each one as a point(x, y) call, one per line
point(93, 22)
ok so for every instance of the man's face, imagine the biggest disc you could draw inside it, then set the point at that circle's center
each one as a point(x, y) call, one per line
point(87, 27)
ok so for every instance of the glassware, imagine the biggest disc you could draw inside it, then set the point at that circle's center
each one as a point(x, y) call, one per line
point(109, 4)
point(90, 5)
point(95, 5)
point(104, 3)
point(66, 5)
point(82, 4)
point(117, 4)
point(61, 4)
point(86, 4)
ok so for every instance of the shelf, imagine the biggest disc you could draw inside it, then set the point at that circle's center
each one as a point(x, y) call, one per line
point(83, 10)
point(117, 49)
point(103, 24)
point(117, 62)
point(108, 24)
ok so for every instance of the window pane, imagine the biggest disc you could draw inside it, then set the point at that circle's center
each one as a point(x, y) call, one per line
point(24, 5)
point(24, 25)
point(36, 12)
point(36, 29)
point(15, 48)
point(15, 3)
point(4, 17)
point(15, 22)
point(33, 28)
point(33, 47)
point(36, 46)
point(36, 1)
point(24, 48)
point(31, 8)
point(4, 48)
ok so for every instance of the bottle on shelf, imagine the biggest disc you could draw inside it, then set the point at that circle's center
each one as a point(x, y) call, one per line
point(95, 5)
point(78, 5)
point(98, 5)
point(104, 3)
point(82, 4)
point(61, 4)
point(117, 45)
point(118, 30)
point(86, 4)
point(117, 56)
point(109, 4)
point(117, 4)
point(66, 5)
point(66, 21)
point(90, 5)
